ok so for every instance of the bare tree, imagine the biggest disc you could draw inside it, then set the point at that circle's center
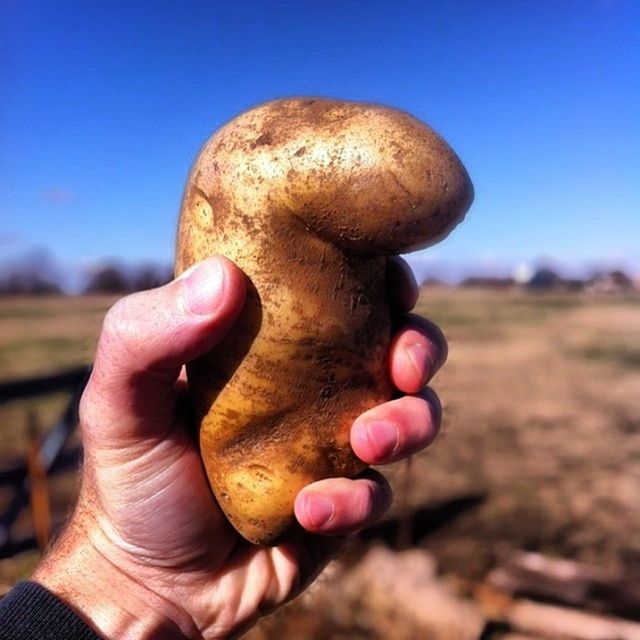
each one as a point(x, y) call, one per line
point(151, 276)
point(108, 280)
point(28, 284)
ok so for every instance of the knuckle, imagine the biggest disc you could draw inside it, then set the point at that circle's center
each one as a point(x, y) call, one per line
point(86, 409)
point(115, 324)
point(121, 339)
point(90, 411)
point(120, 329)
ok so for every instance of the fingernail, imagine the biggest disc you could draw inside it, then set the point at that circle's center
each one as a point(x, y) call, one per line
point(203, 287)
point(421, 360)
point(383, 437)
point(319, 510)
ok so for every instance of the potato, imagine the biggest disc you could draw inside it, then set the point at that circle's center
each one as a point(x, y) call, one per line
point(308, 197)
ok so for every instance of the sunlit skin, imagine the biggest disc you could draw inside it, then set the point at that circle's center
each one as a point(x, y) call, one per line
point(147, 552)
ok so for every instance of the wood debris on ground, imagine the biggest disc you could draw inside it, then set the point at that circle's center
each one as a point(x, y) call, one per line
point(400, 595)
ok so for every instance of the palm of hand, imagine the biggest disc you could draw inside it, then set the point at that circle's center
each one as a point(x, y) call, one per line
point(161, 523)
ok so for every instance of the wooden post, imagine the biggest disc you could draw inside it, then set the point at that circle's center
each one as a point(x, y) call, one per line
point(39, 489)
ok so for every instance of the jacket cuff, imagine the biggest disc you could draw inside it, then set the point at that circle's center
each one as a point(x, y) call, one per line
point(30, 611)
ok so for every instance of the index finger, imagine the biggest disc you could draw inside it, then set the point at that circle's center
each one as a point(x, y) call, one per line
point(402, 287)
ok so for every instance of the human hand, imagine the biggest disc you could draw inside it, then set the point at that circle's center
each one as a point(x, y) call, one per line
point(147, 552)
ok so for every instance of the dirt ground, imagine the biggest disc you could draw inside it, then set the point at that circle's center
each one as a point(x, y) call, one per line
point(539, 450)
point(542, 417)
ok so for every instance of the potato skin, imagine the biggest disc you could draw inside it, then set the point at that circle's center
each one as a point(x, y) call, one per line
point(308, 197)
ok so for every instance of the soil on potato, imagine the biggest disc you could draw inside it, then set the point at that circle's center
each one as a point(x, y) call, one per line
point(539, 448)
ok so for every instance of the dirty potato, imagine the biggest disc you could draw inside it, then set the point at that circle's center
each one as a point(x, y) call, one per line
point(308, 197)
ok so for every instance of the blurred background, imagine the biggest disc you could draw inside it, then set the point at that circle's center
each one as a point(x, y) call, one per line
point(530, 496)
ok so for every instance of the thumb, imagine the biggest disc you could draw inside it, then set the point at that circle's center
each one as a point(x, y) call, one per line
point(146, 338)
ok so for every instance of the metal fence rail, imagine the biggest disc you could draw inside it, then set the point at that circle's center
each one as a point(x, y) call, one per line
point(49, 455)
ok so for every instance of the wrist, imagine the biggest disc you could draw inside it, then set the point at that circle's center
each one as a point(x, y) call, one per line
point(111, 601)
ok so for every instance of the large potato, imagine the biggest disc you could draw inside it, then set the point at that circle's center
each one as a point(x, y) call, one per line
point(308, 197)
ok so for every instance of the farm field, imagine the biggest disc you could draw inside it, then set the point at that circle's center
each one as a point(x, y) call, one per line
point(540, 440)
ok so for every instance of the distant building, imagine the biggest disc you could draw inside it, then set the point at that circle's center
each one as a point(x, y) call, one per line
point(611, 282)
point(523, 273)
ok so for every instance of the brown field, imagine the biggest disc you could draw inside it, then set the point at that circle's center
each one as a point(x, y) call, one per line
point(541, 430)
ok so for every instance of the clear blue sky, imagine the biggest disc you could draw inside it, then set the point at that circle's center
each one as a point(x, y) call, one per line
point(104, 106)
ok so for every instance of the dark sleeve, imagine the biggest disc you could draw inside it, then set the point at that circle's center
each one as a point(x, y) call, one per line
point(30, 612)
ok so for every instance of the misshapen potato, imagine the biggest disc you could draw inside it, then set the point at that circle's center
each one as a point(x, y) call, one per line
point(308, 197)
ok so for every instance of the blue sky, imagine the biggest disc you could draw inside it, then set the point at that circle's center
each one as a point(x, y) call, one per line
point(104, 106)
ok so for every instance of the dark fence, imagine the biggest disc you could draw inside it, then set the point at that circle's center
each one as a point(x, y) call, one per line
point(44, 456)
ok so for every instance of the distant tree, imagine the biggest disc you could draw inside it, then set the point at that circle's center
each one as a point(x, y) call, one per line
point(488, 283)
point(108, 280)
point(151, 276)
point(544, 279)
point(28, 284)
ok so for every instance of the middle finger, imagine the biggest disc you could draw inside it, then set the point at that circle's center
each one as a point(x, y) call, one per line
point(397, 429)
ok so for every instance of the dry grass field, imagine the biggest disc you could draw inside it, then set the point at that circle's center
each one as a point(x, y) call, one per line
point(541, 432)
point(542, 415)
